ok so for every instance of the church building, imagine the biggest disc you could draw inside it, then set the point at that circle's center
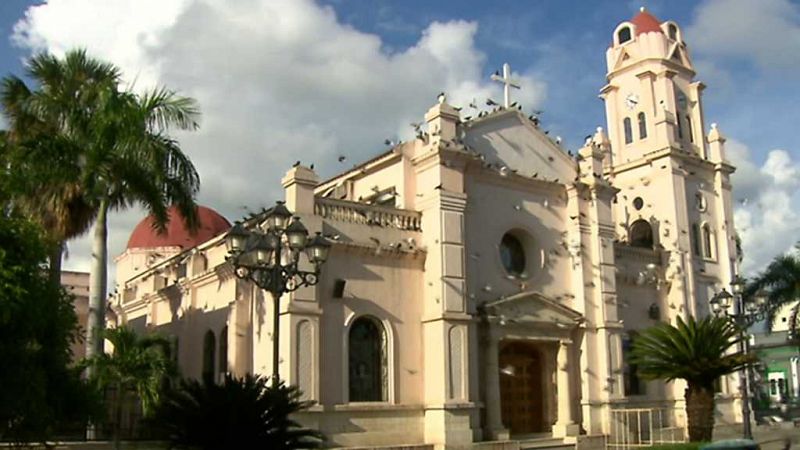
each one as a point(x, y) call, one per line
point(484, 284)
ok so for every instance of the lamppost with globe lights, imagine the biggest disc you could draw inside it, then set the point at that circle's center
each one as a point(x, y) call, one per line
point(269, 256)
point(745, 313)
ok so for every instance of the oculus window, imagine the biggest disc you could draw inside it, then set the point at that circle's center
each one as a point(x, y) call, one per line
point(512, 254)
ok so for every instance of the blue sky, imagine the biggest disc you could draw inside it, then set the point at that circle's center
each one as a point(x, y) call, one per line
point(280, 80)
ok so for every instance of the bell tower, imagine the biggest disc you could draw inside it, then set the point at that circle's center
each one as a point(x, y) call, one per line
point(671, 174)
point(673, 214)
point(652, 102)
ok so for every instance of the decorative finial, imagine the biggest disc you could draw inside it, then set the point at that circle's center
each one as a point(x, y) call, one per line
point(599, 129)
point(442, 97)
point(641, 9)
point(714, 126)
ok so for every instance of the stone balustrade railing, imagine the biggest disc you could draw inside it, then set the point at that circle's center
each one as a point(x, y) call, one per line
point(354, 212)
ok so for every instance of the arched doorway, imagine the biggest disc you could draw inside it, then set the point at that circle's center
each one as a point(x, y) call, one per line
point(521, 395)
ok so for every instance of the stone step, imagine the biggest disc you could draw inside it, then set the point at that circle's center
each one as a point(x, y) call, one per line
point(549, 443)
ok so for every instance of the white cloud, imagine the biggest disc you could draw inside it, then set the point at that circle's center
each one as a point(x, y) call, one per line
point(766, 204)
point(765, 31)
point(277, 81)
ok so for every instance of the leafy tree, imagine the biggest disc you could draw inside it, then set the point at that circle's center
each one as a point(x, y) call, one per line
point(781, 283)
point(240, 412)
point(97, 148)
point(40, 392)
point(137, 365)
point(695, 351)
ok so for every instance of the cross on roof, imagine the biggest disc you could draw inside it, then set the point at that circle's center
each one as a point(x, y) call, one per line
point(508, 83)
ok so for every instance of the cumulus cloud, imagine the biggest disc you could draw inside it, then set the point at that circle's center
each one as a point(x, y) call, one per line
point(766, 32)
point(765, 210)
point(277, 81)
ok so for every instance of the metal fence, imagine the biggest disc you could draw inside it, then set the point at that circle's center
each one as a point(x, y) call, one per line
point(644, 427)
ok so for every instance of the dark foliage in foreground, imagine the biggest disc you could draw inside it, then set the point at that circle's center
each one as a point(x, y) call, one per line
point(239, 413)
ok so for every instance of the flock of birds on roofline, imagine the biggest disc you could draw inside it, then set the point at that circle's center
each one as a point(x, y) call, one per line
point(421, 134)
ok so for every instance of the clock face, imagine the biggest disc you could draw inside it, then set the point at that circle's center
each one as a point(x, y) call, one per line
point(631, 101)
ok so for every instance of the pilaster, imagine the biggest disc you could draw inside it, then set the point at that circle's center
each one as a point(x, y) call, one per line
point(565, 425)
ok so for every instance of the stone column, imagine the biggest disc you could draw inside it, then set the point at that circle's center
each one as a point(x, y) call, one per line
point(494, 422)
point(565, 425)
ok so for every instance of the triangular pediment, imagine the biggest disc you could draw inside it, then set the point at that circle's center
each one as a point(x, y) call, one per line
point(622, 59)
point(534, 308)
point(512, 140)
point(679, 55)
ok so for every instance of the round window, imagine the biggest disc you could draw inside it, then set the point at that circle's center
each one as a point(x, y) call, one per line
point(512, 254)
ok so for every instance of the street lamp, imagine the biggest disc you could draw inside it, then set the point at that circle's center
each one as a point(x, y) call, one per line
point(746, 312)
point(269, 256)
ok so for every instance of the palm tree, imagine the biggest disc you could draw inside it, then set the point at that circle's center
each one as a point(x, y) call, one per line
point(240, 412)
point(41, 159)
point(780, 281)
point(94, 149)
point(137, 364)
point(694, 351)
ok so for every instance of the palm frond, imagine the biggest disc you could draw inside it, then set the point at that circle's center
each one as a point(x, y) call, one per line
point(696, 351)
point(780, 281)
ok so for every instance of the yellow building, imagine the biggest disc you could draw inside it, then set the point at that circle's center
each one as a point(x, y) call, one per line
point(484, 284)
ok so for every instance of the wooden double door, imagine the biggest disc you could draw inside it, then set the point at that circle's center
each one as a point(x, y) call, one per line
point(521, 389)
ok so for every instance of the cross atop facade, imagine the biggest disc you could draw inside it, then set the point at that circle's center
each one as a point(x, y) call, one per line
point(508, 83)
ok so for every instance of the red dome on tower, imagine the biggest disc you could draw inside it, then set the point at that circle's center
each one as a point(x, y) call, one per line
point(176, 234)
point(646, 22)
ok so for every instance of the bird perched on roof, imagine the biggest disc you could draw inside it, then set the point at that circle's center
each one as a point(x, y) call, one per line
point(490, 102)
point(296, 164)
point(341, 158)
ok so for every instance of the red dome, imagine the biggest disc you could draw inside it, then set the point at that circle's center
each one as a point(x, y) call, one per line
point(210, 222)
point(646, 22)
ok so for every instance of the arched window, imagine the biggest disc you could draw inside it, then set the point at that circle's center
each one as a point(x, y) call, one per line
point(708, 247)
point(642, 125)
point(673, 32)
point(641, 234)
point(223, 351)
point(624, 35)
point(689, 128)
point(367, 362)
point(626, 125)
point(209, 344)
point(633, 384)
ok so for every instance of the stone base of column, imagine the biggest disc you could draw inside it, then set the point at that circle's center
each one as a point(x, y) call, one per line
point(564, 430)
point(497, 434)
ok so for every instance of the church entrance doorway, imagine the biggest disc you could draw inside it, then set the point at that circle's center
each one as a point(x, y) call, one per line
point(521, 394)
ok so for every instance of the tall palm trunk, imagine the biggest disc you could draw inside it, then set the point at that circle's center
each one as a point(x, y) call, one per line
point(97, 283)
point(700, 412)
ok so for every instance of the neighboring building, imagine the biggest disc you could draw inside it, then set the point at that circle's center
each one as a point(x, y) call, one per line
point(779, 356)
point(484, 284)
point(77, 284)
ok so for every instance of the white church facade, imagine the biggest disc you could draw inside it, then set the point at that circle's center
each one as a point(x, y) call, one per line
point(483, 284)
